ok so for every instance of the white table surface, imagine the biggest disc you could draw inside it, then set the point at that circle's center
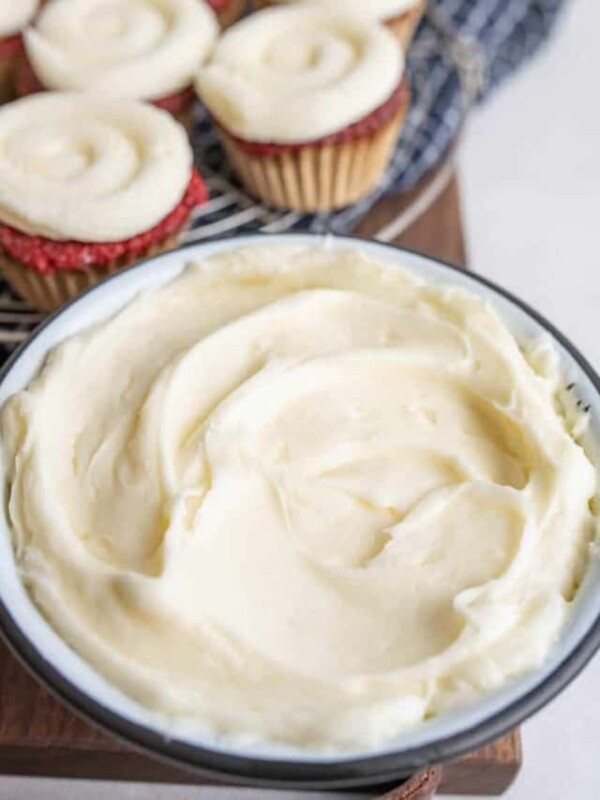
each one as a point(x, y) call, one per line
point(531, 193)
point(531, 189)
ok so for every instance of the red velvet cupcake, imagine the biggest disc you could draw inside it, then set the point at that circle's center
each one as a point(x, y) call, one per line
point(309, 104)
point(14, 16)
point(143, 50)
point(88, 186)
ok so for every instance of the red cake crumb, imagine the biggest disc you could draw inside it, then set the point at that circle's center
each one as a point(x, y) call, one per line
point(27, 82)
point(369, 124)
point(11, 45)
point(47, 255)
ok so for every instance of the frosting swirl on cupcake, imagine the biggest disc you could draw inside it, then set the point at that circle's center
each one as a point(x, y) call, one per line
point(15, 15)
point(295, 74)
point(316, 501)
point(144, 49)
point(74, 166)
point(380, 9)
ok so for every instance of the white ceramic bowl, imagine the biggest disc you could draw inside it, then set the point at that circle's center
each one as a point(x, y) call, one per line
point(76, 682)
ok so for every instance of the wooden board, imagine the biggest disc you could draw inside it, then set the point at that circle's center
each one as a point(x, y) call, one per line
point(438, 233)
point(38, 736)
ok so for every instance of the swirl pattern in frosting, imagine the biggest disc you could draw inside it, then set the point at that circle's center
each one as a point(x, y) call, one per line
point(294, 74)
point(87, 168)
point(380, 9)
point(15, 15)
point(318, 501)
point(142, 49)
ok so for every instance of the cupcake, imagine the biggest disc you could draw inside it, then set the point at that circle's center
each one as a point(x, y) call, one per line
point(134, 49)
point(14, 16)
point(401, 16)
point(227, 11)
point(308, 103)
point(88, 185)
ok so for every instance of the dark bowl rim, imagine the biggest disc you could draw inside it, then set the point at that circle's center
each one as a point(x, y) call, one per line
point(347, 772)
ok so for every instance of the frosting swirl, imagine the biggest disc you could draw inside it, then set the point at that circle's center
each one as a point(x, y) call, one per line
point(317, 502)
point(143, 49)
point(380, 9)
point(79, 167)
point(15, 15)
point(296, 74)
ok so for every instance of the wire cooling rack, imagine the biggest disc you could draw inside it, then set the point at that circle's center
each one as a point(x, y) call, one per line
point(446, 72)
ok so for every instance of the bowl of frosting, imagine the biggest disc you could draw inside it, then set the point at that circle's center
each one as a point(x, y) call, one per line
point(300, 511)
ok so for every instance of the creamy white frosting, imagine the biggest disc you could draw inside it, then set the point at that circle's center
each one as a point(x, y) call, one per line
point(299, 496)
point(15, 15)
point(144, 49)
point(296, 74)
point(380, 9)
point(80, 167)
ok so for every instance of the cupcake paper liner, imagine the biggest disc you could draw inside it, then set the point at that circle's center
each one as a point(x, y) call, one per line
point(49, 292)
point(405, 25)
point(7, 78)
point(317, 177)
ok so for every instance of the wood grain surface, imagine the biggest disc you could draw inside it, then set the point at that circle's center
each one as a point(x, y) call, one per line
point(438, 233)
point(39, 736)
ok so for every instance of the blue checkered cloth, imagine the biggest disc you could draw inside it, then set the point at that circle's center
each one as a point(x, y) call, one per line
point(462, 51)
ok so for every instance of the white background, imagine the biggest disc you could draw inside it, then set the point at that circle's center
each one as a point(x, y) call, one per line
point(531, 191)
